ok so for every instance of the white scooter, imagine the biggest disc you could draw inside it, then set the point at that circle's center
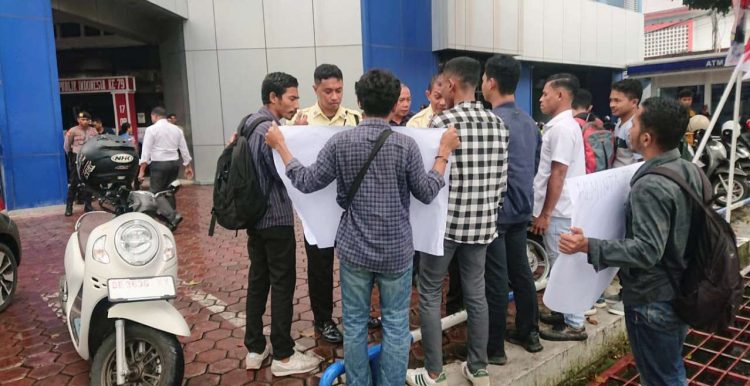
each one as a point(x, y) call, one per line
point(120, 272)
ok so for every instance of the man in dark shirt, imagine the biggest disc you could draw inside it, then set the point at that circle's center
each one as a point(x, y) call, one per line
point(401, 113)
point(271, 243)
point(506, 255)
point(374, 239)
point(657, 227)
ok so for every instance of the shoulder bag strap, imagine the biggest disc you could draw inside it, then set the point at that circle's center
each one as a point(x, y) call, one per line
point(361, 175)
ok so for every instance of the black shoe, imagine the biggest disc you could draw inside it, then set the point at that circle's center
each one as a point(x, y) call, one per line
point(564, 333)
point(329, 332)
point(373, 322)
point(530, 342)
point(68, 210)
point(554, 319)
point(499, 359)
point(177, 220)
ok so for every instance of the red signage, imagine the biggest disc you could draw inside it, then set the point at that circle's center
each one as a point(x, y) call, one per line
point(97, 85)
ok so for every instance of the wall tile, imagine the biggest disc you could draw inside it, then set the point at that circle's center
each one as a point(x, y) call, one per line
point(337, 22)
point(479, 25)
point(506, 21)
point(573, 28)
point(200, 33)
point(240, 24)
point(205, 98)
point(241, 73)
point(552, 30)
point(288, 23)
point(300, 63)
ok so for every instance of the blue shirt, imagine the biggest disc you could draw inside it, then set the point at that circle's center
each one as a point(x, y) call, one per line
point(524, 144)
point(376, 233)
point(279, 211)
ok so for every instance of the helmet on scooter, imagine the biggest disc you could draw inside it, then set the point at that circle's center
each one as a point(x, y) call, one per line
point(106, 161)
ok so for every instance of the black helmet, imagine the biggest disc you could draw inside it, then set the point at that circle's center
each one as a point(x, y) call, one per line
point(106, 161)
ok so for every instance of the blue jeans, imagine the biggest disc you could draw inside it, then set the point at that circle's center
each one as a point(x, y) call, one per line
point(656, 335)
point(558, 226)
point(395, 294)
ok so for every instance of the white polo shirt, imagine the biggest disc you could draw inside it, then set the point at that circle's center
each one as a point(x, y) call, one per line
point(562, 142)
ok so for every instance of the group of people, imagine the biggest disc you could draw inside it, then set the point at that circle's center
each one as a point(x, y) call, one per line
point(504, 175)
point(163, 145)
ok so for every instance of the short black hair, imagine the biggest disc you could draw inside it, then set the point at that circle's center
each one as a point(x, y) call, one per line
point(468, 70)
point(377, 92)
point(567, 81)
point(665, 119)
point(325, 71)
point(630, 87)
point(685, 93)
point(159, 112)
point(125, 126)
point(432, 82)
point(582, 99)
point(277, 83)
point(170, 115)
point(505, 70)
point(97, 119)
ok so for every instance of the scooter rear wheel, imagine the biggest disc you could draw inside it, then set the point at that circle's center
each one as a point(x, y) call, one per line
point(153, 357)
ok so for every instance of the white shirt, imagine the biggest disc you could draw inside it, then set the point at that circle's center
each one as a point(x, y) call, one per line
point(625, 157)
point(562, 142)
point(161, 142)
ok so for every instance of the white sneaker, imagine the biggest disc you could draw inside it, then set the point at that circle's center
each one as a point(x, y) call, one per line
point(254, 360)
point(478, 378)
point(298, 363)
point(590, 312)
point(617, 309)
point(421, 377)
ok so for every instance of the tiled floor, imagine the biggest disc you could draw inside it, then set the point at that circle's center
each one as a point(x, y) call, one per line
point(35, 347)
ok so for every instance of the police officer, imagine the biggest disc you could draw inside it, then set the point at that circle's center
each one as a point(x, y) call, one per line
point(329, 89)
point(75, 137)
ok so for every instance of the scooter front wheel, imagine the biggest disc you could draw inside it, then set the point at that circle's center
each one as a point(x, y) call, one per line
point(153, 358)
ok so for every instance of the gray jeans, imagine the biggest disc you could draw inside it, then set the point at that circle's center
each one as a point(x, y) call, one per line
point(432, 271)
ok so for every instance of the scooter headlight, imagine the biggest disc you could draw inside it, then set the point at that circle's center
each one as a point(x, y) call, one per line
point(137, 242)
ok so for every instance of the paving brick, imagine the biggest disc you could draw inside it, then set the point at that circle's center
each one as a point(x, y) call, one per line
point(46, 371)
point(223, 366)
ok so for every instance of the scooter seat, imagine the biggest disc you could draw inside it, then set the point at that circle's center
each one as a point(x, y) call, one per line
point(87, 223)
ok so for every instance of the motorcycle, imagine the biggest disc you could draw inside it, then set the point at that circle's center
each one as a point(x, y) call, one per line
point(715, 164)
point(120, 273)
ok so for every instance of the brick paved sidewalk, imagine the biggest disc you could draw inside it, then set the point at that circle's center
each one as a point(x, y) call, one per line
point(35, 347)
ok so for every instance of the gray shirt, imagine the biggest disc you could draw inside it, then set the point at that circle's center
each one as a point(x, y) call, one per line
point(657, 230)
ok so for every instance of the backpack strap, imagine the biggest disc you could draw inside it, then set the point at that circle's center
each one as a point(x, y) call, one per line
point(248, 131)
point(361, 175)
point(703, 203)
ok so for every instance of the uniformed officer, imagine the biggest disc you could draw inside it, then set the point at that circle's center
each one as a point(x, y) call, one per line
point(437, 105)
point(75, 137)
point(329, 89)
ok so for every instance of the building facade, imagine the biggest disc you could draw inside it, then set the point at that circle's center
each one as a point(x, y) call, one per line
point(205, 60)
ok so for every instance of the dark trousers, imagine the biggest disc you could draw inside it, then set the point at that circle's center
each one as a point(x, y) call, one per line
point(320, 281)
point(454, 299)
point(272, 266)
point(507, 261)
point(162, 174)
point(74, 183)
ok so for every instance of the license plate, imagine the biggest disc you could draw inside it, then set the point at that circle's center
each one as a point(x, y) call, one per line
point(145, 288)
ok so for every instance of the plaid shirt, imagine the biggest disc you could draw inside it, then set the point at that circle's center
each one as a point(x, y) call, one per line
point(376, 234)
point(479, 173)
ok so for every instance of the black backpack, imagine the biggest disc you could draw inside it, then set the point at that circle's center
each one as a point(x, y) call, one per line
point(709, 294)
point(239, 202)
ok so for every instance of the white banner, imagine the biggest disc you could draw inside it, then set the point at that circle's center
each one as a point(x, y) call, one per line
point(319, 211)
point(599, 203)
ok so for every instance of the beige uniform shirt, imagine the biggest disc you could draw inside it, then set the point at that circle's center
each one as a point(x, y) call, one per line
point(315, 116)
point(421, 119)
point(76, 136)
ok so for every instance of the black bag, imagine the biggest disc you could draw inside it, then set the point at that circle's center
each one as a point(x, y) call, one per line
point(239, 202)
point(710, 292)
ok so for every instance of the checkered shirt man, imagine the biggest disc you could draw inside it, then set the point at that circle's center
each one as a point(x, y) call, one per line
point(479, 172)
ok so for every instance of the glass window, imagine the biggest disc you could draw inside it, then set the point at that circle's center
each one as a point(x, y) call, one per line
point(727, 112)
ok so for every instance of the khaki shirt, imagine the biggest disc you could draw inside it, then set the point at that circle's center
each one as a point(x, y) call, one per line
point(421, 119)
point(76, 136)
point(315, 116)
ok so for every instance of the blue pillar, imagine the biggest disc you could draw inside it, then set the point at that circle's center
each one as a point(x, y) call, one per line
point(31, 137)
point(397, 35)
point(525, 90)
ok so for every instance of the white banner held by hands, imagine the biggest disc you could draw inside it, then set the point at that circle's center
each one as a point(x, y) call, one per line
point(599, 203)
point(319, 212)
